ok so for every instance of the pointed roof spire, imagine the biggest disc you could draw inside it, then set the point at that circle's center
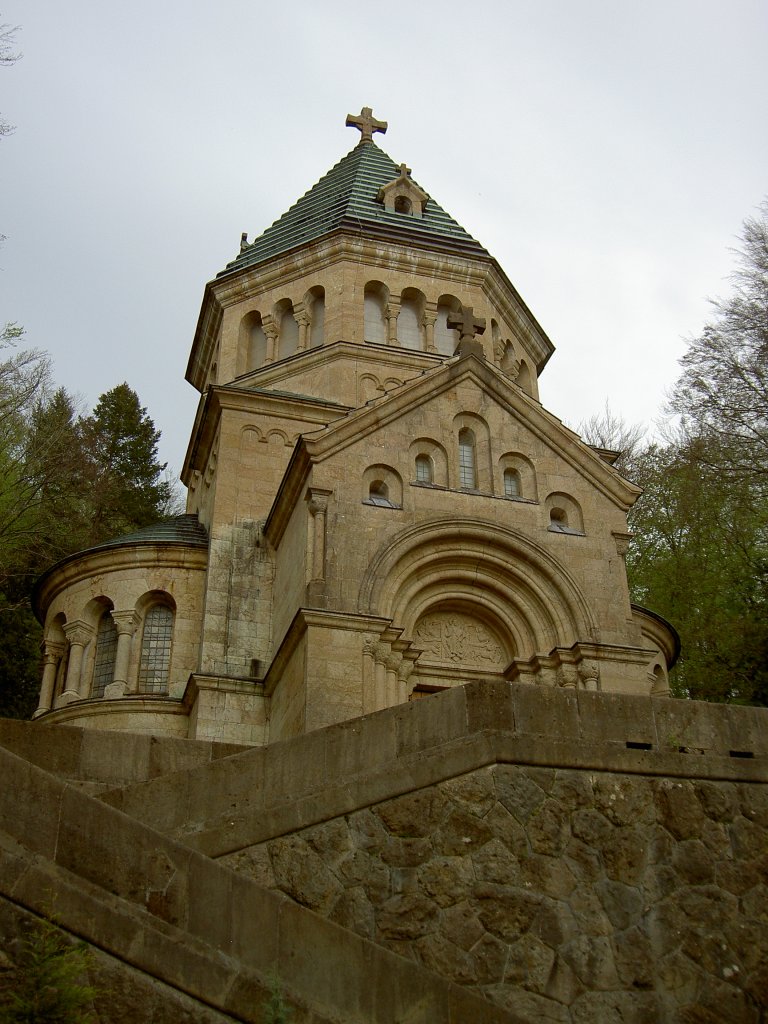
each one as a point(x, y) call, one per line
point(351, 197)
point(366, 124)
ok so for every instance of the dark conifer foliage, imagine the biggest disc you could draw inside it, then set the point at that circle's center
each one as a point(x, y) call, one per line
point(67, 482)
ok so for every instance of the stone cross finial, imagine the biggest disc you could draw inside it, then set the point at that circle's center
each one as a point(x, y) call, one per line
point(466, 323)
point(404, 171)
point(366, 124)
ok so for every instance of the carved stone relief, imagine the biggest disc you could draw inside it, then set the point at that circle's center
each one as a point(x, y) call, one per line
point(455, 638)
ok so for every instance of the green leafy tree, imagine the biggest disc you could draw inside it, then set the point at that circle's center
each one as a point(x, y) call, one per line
point(24, 385)
point(700, 553)
point(696, 559)
point(722, 395)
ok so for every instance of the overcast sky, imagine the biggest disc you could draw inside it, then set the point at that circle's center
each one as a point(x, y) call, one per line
point(606, 153)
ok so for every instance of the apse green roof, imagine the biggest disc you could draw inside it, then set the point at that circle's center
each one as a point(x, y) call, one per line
point(185, 529)
point(345, 199)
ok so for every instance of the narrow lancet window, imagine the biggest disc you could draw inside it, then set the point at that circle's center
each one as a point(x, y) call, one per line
point(104, 658)
point(423, 469)
point(467, 468)
point(156, 650)
point(511, 483)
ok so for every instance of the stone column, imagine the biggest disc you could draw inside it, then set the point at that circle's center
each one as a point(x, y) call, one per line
point(317, 502)
point(589, 674)
point(78, 634)
point(380, 677)
point(404, 673)
point(392, 312)
point(52, 655)
point(429, 319)
point(392, 664)
point(271, 332)
point(303, 319)
point(125, 623)
point(369, 674)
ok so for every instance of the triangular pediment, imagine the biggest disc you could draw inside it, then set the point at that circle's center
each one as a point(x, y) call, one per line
point(436, 387)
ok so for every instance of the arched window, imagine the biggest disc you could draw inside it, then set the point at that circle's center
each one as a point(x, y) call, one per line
point(252, 344)
point(403, 205)
point(378, 494)
point(375, 321)
point(317, 312)
point(424, 474)
point(288, 339)
point(104, 658)
point(410, 319)
point(467, 467)
point(524, 378)
point(155, 657)
point(512, 487)
point(446, 338)
point(558, 520)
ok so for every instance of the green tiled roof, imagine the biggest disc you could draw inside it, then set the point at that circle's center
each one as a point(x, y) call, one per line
point(346, 199)
point(186, 529)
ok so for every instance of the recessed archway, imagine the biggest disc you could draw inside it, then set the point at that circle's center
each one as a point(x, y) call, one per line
point(510, 582)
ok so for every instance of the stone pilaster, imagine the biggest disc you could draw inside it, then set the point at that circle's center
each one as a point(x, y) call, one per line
point(317, 503)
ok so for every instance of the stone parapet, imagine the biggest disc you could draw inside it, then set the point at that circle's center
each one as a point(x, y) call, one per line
point(205, 931)
point(104, 759)
point(285, 786)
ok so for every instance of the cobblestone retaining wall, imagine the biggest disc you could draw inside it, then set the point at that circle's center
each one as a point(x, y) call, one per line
point(564, 895)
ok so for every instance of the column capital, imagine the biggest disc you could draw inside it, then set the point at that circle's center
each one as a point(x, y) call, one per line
point(126, 621)
point(52, 650)
point(78, 632)
point(317, 499)
point(393, 661)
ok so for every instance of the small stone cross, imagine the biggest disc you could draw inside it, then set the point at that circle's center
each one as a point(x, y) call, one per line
point(366, 124)
point(404, 171)
point(466, 323)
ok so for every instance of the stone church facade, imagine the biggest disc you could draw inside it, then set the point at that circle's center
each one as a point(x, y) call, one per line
point(379, 506)
point(374, 727)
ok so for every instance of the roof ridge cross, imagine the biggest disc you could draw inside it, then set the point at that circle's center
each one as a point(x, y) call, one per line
point(366, 124)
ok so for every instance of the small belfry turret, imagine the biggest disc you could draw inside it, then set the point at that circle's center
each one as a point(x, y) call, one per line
point(382, 508)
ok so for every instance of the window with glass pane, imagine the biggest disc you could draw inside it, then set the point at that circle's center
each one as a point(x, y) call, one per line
point(423, 469)
point(467, 475)
point(104, 659)
point(511, 483)
point(156, 650)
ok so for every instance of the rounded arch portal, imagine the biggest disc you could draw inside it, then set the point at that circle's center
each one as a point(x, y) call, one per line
point(523, 595)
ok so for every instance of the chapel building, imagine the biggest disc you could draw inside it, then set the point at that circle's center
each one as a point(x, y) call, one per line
point(379, 507)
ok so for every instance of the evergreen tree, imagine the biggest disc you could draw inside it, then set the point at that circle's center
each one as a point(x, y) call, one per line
point(124, 476)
